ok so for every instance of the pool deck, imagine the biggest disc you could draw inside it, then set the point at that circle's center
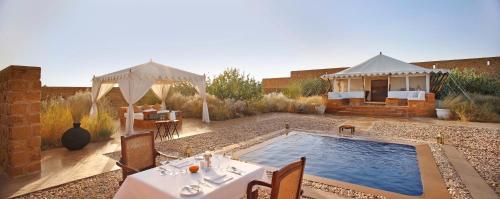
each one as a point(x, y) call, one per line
point(432, 182)
point(476, 185)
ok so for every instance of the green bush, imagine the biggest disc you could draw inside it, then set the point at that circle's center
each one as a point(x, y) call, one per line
point(482, 108)
point(306, 88)
point(183, 88)
point(232, 84)
point(471, 82)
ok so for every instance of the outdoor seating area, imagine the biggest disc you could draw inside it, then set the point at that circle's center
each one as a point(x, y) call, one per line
point(206, 175)
point(249, 99)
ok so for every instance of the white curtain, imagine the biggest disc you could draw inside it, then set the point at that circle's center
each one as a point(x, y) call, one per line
point(133, 88)
point(161, 91)
point(201, 88)
point(98, 91)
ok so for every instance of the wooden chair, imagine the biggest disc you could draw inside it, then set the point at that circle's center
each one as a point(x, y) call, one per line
point(138, 153)
point(286, 182)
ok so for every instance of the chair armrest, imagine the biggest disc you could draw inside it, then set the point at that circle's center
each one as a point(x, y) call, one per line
point(253, 183)
point(123, 166)
point(165, 155)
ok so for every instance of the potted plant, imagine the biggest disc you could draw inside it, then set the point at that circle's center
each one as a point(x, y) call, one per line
point(76, 138)
point(442, 111)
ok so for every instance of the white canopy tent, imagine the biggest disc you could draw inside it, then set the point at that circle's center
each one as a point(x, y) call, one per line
point(380, 66)
point(134, 82)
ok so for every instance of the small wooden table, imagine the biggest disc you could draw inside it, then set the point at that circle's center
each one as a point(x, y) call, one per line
point(351, 127)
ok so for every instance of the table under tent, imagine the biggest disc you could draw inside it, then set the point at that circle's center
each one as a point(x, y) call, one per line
point(134, 83)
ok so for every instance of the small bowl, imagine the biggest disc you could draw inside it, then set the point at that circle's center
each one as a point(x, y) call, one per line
point(194, 168)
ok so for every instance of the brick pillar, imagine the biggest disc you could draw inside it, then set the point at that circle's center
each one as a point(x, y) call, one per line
point(20, 94)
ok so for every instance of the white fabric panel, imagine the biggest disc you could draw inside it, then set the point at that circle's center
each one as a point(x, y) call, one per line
point(133, 89)
point(161, 91)
point(201, 88)
point(137, 116)
point(410, 95)
point(96, 85)
point(346, 95)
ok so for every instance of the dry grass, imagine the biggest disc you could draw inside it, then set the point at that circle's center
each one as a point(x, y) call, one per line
point(55, 119)
point(230, 108)
point(57, 116)
point(79, 105)
point(484, 108)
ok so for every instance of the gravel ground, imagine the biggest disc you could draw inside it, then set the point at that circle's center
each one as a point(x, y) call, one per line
point(479, 145)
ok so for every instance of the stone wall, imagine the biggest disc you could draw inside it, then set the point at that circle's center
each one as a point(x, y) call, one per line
point(20, 94)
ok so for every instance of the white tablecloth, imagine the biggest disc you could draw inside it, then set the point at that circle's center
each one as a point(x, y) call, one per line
point(150, 184)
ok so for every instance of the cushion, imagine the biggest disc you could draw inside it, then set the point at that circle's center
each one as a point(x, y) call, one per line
point(146, 107)
point(137, 109)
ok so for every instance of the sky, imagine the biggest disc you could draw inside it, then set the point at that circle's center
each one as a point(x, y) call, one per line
point(72, 40)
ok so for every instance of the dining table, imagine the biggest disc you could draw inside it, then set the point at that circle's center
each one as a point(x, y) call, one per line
point(225, 178)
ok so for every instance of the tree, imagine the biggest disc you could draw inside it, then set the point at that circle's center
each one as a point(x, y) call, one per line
point(233, 84)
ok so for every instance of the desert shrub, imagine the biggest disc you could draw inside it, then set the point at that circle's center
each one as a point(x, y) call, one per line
point(306, 88)
point(79, 105)
point(482, 108)
point(472, 82)
point(293, 90)
point(232, 84)
point(55, 119)
point(314, 86)
point(184, 88)
point(276, 102)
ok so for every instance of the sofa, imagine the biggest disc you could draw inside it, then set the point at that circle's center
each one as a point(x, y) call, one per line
point(146, 115)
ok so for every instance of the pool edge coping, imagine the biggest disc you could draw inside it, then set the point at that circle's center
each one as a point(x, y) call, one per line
point(433, 185)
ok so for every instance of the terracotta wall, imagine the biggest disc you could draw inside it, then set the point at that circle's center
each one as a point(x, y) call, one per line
point(20, 94)
point(305, 74)
point(278, 84)
point(275, 84)
point(480, 64)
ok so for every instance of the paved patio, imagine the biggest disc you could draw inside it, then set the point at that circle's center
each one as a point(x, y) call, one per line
point(60, 166)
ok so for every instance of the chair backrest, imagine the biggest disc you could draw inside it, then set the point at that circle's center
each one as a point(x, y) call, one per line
point(138, 151)
point(287, 182)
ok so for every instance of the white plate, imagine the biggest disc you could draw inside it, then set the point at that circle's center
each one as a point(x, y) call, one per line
point(195, 189)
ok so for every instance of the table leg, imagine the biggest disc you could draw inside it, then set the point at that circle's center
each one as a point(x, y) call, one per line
point(175, 130)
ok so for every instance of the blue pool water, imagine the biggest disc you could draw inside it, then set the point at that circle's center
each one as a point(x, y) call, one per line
point(386, 166)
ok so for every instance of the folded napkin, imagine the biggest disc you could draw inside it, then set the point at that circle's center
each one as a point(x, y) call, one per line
point(211, 176)
point(180, 163)
point(219, 180)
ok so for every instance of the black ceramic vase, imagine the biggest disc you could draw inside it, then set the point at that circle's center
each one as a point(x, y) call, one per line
point(75, 138)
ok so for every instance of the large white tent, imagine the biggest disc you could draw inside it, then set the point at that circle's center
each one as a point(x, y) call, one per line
point(135, 81)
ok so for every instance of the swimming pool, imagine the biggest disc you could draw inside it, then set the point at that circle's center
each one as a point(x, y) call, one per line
point(386, 166)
